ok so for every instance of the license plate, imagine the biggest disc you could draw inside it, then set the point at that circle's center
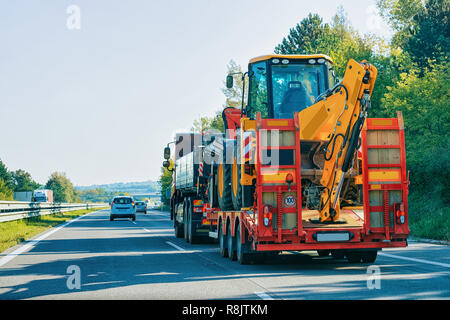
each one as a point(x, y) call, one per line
point(332, 236)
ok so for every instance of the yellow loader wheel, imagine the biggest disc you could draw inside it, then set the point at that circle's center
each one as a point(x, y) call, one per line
point(212, 191)
point(224, 186)
point(236, 187)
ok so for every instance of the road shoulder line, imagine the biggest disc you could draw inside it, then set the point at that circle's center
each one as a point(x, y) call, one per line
point(175, 246)
point(441, 264)
point(264, 296)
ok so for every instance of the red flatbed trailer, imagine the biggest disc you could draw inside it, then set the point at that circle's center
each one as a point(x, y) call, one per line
point(353, 201)
point(365, 229)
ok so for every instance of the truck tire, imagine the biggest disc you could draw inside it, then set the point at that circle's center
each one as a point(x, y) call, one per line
point(337, 254)
point(236, 187)
point(224, 187)
point(185, 221)
point(222, 242)
point(369, 256)
point(242, 249)
point(179, 231)
point(323, 253)
point(231, 244)
point(354, 256)
point(193, 239)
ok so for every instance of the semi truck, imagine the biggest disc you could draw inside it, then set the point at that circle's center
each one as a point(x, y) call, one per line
point(43, 195)
point(300, 167)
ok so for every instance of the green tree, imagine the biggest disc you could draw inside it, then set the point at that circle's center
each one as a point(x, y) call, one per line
point(5, 175)
point(63, 190)
point(337, 40)
point(5, 192)
point(165, 181)
point(422, 28)
point(306, 37)
point(206, 123)
point(23, 181)
point(233, 98)
point(234, 95)
point(424, 101)
point(400, 16)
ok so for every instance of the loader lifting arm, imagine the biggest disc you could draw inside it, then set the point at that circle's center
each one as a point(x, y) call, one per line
point(338, 117)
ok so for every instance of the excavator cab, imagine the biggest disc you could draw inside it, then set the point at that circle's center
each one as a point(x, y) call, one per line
point(281, 85)
point(313, 120)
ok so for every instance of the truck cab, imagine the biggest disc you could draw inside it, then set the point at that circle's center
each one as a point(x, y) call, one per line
point(43, 195)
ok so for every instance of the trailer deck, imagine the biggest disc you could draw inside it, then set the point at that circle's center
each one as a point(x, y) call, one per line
point(348, 219)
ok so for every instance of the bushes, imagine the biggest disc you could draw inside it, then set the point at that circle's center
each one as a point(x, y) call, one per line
point(429, 217)
point(424, 101)
point(5, 192)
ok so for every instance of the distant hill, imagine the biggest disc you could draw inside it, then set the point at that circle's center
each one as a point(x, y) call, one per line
point(129, 187)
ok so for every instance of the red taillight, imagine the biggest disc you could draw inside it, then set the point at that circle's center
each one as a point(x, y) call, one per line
point(267, 215)
point(247, 168)
point(400, 213)
point(289, 178)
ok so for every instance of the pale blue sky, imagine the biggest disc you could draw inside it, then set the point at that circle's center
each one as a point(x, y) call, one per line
point(100, 103)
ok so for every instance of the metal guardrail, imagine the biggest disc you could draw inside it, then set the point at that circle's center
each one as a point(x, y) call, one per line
point(15, 210)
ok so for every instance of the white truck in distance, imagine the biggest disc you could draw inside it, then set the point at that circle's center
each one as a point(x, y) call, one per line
point(43, 195)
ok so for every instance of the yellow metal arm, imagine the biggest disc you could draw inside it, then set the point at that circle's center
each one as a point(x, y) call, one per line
point(337, 120)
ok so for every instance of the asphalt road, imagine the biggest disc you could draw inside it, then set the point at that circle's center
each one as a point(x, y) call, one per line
point(123, 259)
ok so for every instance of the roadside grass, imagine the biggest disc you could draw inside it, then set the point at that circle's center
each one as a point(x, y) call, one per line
point(14, 232)
point(428, 217)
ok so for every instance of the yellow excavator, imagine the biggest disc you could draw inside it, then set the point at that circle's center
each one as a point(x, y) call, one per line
point(329, 114)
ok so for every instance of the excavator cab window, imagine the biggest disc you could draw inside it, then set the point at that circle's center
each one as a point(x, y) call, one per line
point(332, 76)
point(280, 87)
point(295, 86)
point(257, 99)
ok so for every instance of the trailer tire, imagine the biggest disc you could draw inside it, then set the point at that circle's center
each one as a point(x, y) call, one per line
point(354, 257)
point(369, 256)
point(338, 254)
point(222, 242)
point(242, 249)
point(231, 244)
point(323, 253)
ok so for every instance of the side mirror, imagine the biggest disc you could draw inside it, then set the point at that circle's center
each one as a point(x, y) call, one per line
point(167, 153)
point(166, 164)
point(229, 81)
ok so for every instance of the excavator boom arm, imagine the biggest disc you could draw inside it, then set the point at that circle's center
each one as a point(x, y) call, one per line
point(337, 119)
